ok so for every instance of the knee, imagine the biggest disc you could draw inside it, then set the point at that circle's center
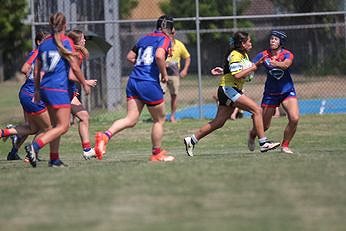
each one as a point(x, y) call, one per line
point(294, 120)
point(257, 111)
point(83, 116)
point(132, 123)
point(63, 128)
point(218, 123)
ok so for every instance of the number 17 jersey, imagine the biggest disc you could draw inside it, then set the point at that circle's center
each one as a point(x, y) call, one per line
point(145, 67)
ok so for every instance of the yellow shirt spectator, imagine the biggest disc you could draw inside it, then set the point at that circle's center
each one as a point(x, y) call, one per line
point(179, 52)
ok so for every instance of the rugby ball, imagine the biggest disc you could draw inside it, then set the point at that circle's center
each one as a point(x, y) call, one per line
point(247, 64)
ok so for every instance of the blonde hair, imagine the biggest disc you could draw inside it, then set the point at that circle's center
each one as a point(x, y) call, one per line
point(58, 24)
point(76, 36)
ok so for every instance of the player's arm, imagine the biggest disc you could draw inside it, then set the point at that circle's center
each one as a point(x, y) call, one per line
point(90, 82)
point(240, 73)
point(160, 57)
point(37, 80)
point(286, 63)
point(187, 63)
point(282, 65)
point(79, 74)
point(217, 71)
point(25, 69)
point(132, 55)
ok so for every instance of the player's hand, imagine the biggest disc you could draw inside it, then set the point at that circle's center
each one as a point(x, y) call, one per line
point(164, 78)
point(217, 71)
point(259, 62)
point(91, 82)
point(86, 88)
point(183, 73)
point(37, 97)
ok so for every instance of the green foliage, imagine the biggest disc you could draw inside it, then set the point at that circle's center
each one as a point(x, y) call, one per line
point(329, 57)
point(126, 7)
point(207, 8)
point(13, 33)
point(299, 6)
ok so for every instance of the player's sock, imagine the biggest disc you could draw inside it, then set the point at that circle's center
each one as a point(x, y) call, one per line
point(86, 146)
point(156, 150)
point(4, 132)
point(108, 134)
point(194, 139)
point(262, 140)
point(285, 143)
point(54, 156)
point(37, 145)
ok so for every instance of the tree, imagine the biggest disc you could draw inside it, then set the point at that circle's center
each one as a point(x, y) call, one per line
point(13, 30)
point(126, 7)
point(207, 8)
point(325, 40)
point(213, 44)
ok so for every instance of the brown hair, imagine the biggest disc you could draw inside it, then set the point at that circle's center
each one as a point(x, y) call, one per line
point(76, 36)
point(40, 36)
point(58, 24)
point(235, 43)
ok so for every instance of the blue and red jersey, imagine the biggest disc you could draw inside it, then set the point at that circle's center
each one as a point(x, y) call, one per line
point(276, 83)
point(55, 67)
point(145, 67)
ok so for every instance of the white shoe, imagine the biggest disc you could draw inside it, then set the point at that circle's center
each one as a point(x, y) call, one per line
point(251, 143)
point(268, 145)
point(89, 154)
point(286, 150)
point(189, 146)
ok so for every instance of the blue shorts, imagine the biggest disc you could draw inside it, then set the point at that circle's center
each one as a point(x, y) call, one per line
point(228, 95)
point(149, 92)
point(26, 100)
point(274, 100)
point(56, 98)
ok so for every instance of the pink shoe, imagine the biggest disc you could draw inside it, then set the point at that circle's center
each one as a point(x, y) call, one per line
point(101, 141)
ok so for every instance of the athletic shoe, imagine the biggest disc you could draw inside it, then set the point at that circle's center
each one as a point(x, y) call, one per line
point(56, 164)
point(89, 154)
point(286, 150)
point(268, 145)
point(251, 143)
point(30, 155)
point(101, 141)
point(189, 146)
point(13, 155)
point(161, 157)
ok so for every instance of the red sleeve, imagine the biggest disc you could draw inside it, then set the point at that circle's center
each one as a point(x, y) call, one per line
point(32, 57)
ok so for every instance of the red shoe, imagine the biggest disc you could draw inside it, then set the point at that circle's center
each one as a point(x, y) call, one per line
point(161, 157)
point(101, 141)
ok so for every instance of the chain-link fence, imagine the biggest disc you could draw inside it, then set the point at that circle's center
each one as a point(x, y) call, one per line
point(316, 38)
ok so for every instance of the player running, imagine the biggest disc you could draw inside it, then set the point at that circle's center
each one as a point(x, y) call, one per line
point(143, 88)
point(230, 94)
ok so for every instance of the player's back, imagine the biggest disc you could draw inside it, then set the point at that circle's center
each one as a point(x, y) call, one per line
point(54, 66)
point(145, 67)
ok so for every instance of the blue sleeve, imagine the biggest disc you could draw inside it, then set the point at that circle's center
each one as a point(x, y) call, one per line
point(257, 57)
point(67, 45)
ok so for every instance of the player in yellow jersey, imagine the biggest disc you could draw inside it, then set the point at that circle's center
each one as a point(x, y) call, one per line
point(237, 69)
point(175, 72)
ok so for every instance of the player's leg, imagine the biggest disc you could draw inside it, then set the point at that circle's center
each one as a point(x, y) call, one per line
point(290, 105)
point(174, 90)
point(134, 109)
point(246, 103)
point(158, 115)
point(82, 114)
point(222, 115)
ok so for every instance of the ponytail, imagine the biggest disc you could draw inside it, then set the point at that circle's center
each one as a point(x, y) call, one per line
point(58, 24)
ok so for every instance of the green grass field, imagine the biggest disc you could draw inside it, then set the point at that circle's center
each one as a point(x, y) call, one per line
point(224, 187)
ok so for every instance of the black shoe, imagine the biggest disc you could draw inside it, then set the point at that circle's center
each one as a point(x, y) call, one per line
point(31, 155)
point(13, 155)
